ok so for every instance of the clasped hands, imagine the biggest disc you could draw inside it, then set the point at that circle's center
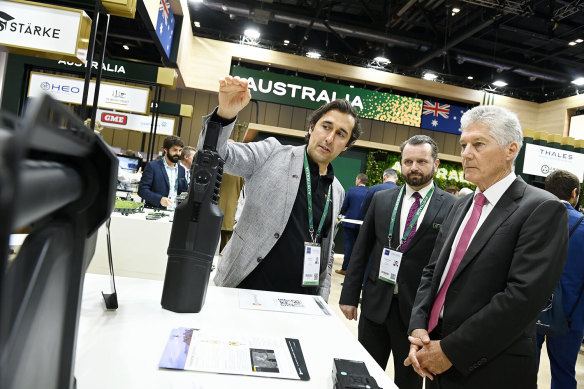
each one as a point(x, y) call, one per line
point(426, 356)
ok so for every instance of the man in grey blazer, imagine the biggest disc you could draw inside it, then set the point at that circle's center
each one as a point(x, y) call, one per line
point(497, 258)
point(284, 238)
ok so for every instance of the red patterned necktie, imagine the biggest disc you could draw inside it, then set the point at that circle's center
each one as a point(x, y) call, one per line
point(471, 225)
point(413, 209)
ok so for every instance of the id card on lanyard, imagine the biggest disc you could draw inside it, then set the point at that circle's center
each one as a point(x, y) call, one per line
point(391, 259)
point(311, 268)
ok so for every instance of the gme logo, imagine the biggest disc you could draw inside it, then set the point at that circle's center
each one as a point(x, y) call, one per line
point(113, 118)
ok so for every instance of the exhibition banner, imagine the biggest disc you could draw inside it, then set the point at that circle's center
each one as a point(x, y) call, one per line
point(541, 161)
point(441, 117)
point(300, 92)
point(128, 121)
point(44, 29)
point(70, 90)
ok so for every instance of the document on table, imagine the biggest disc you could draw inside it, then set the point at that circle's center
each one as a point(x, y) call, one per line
point(282, 302)
point(212, 351)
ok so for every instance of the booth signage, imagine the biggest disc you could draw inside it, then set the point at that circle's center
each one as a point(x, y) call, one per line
point(300, 92)
point(541, 161)
point(128, 121)
point(70, 90)
point(44, 28)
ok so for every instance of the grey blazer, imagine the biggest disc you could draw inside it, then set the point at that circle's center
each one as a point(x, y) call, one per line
point(272, 173)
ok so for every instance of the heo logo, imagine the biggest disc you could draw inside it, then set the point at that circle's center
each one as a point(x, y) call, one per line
point(113, 118)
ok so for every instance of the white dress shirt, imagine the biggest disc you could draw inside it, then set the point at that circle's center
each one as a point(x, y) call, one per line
point(407, 204)
point(172, 173)
point(493, 194)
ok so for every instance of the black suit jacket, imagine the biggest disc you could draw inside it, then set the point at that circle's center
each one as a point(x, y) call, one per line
point(373, 237)
point(506, 275)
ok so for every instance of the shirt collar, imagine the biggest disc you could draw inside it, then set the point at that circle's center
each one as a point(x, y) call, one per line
point(166, 165)
point(495, 191)
point(423, 192)
point(315, 171)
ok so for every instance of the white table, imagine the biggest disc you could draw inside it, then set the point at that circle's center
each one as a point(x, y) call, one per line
point(121, 349)
point(138, 246)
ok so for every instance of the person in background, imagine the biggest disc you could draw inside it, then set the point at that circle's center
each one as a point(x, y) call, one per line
point(464, 191)
point(452, 189)
point(563, 350)
point(389, 181)
point(408, 218)
point(164, 179)
point(352, 210)
point(497, 258)
point(292, 197)
point(186, 160)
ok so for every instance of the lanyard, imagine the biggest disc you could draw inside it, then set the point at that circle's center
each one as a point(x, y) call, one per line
point(415, 218)
point(309, 199)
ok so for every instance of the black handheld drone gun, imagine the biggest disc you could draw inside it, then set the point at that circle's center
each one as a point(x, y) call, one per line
point(195, 231)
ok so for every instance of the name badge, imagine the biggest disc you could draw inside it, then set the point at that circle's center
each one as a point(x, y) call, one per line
point(389, 265)
point(311, 270)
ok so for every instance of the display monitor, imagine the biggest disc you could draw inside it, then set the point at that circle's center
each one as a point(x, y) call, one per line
point(128, 166)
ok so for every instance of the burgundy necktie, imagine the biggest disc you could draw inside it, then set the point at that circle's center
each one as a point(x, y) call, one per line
point(413, 209)
point(471, 225)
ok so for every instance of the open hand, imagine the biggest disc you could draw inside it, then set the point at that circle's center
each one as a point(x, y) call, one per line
point(234, 95)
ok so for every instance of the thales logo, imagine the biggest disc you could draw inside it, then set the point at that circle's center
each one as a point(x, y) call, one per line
point(4, 18)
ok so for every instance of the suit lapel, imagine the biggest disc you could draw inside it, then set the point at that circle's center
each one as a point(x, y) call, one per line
point(505, 207)
point(396, 227)
point(433, 208)
point(293, 179)
point(163, 169)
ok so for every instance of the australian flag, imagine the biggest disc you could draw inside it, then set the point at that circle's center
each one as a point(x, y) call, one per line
point(165, 26)
point(441, 117)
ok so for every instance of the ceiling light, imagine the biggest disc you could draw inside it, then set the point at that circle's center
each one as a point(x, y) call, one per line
point(572, 43)
point(579, 40)
point(351, 86)
point(382, 60)
point(470, 77)
point(252, 33)
point(125, 47)
point(313, 54)
point(455, 10)
point(578, 81)
point(197, 24)
point(286, 42)
point(429, 76)
point(500, 83)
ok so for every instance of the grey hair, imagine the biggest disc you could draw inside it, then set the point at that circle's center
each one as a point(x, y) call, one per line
point(503, 124)
point(390, 173)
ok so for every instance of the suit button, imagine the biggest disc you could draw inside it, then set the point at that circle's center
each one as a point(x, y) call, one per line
point(276, 235)
point(259, 259)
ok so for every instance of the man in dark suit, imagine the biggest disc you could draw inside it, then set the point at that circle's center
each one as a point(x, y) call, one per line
point(352, 210)
point(389, 181)
point(497, 258)
point(563, 349)
point(164, 179)
point(409, 217)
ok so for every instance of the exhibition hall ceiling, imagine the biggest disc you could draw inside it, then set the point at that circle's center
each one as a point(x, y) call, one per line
point(534, 46)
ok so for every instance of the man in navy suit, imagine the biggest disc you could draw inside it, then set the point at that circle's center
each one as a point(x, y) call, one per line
point(352, 210)
point(563, 349)
point(164, 179)
point(389, 181)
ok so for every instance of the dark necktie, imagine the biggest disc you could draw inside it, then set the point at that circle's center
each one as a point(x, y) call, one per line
point(413, 209)
point(471, 225)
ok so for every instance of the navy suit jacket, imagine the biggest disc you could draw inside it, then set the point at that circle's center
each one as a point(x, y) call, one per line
point(352, 205)
point(372, 190)
point(154, 183)
point(573, 275)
